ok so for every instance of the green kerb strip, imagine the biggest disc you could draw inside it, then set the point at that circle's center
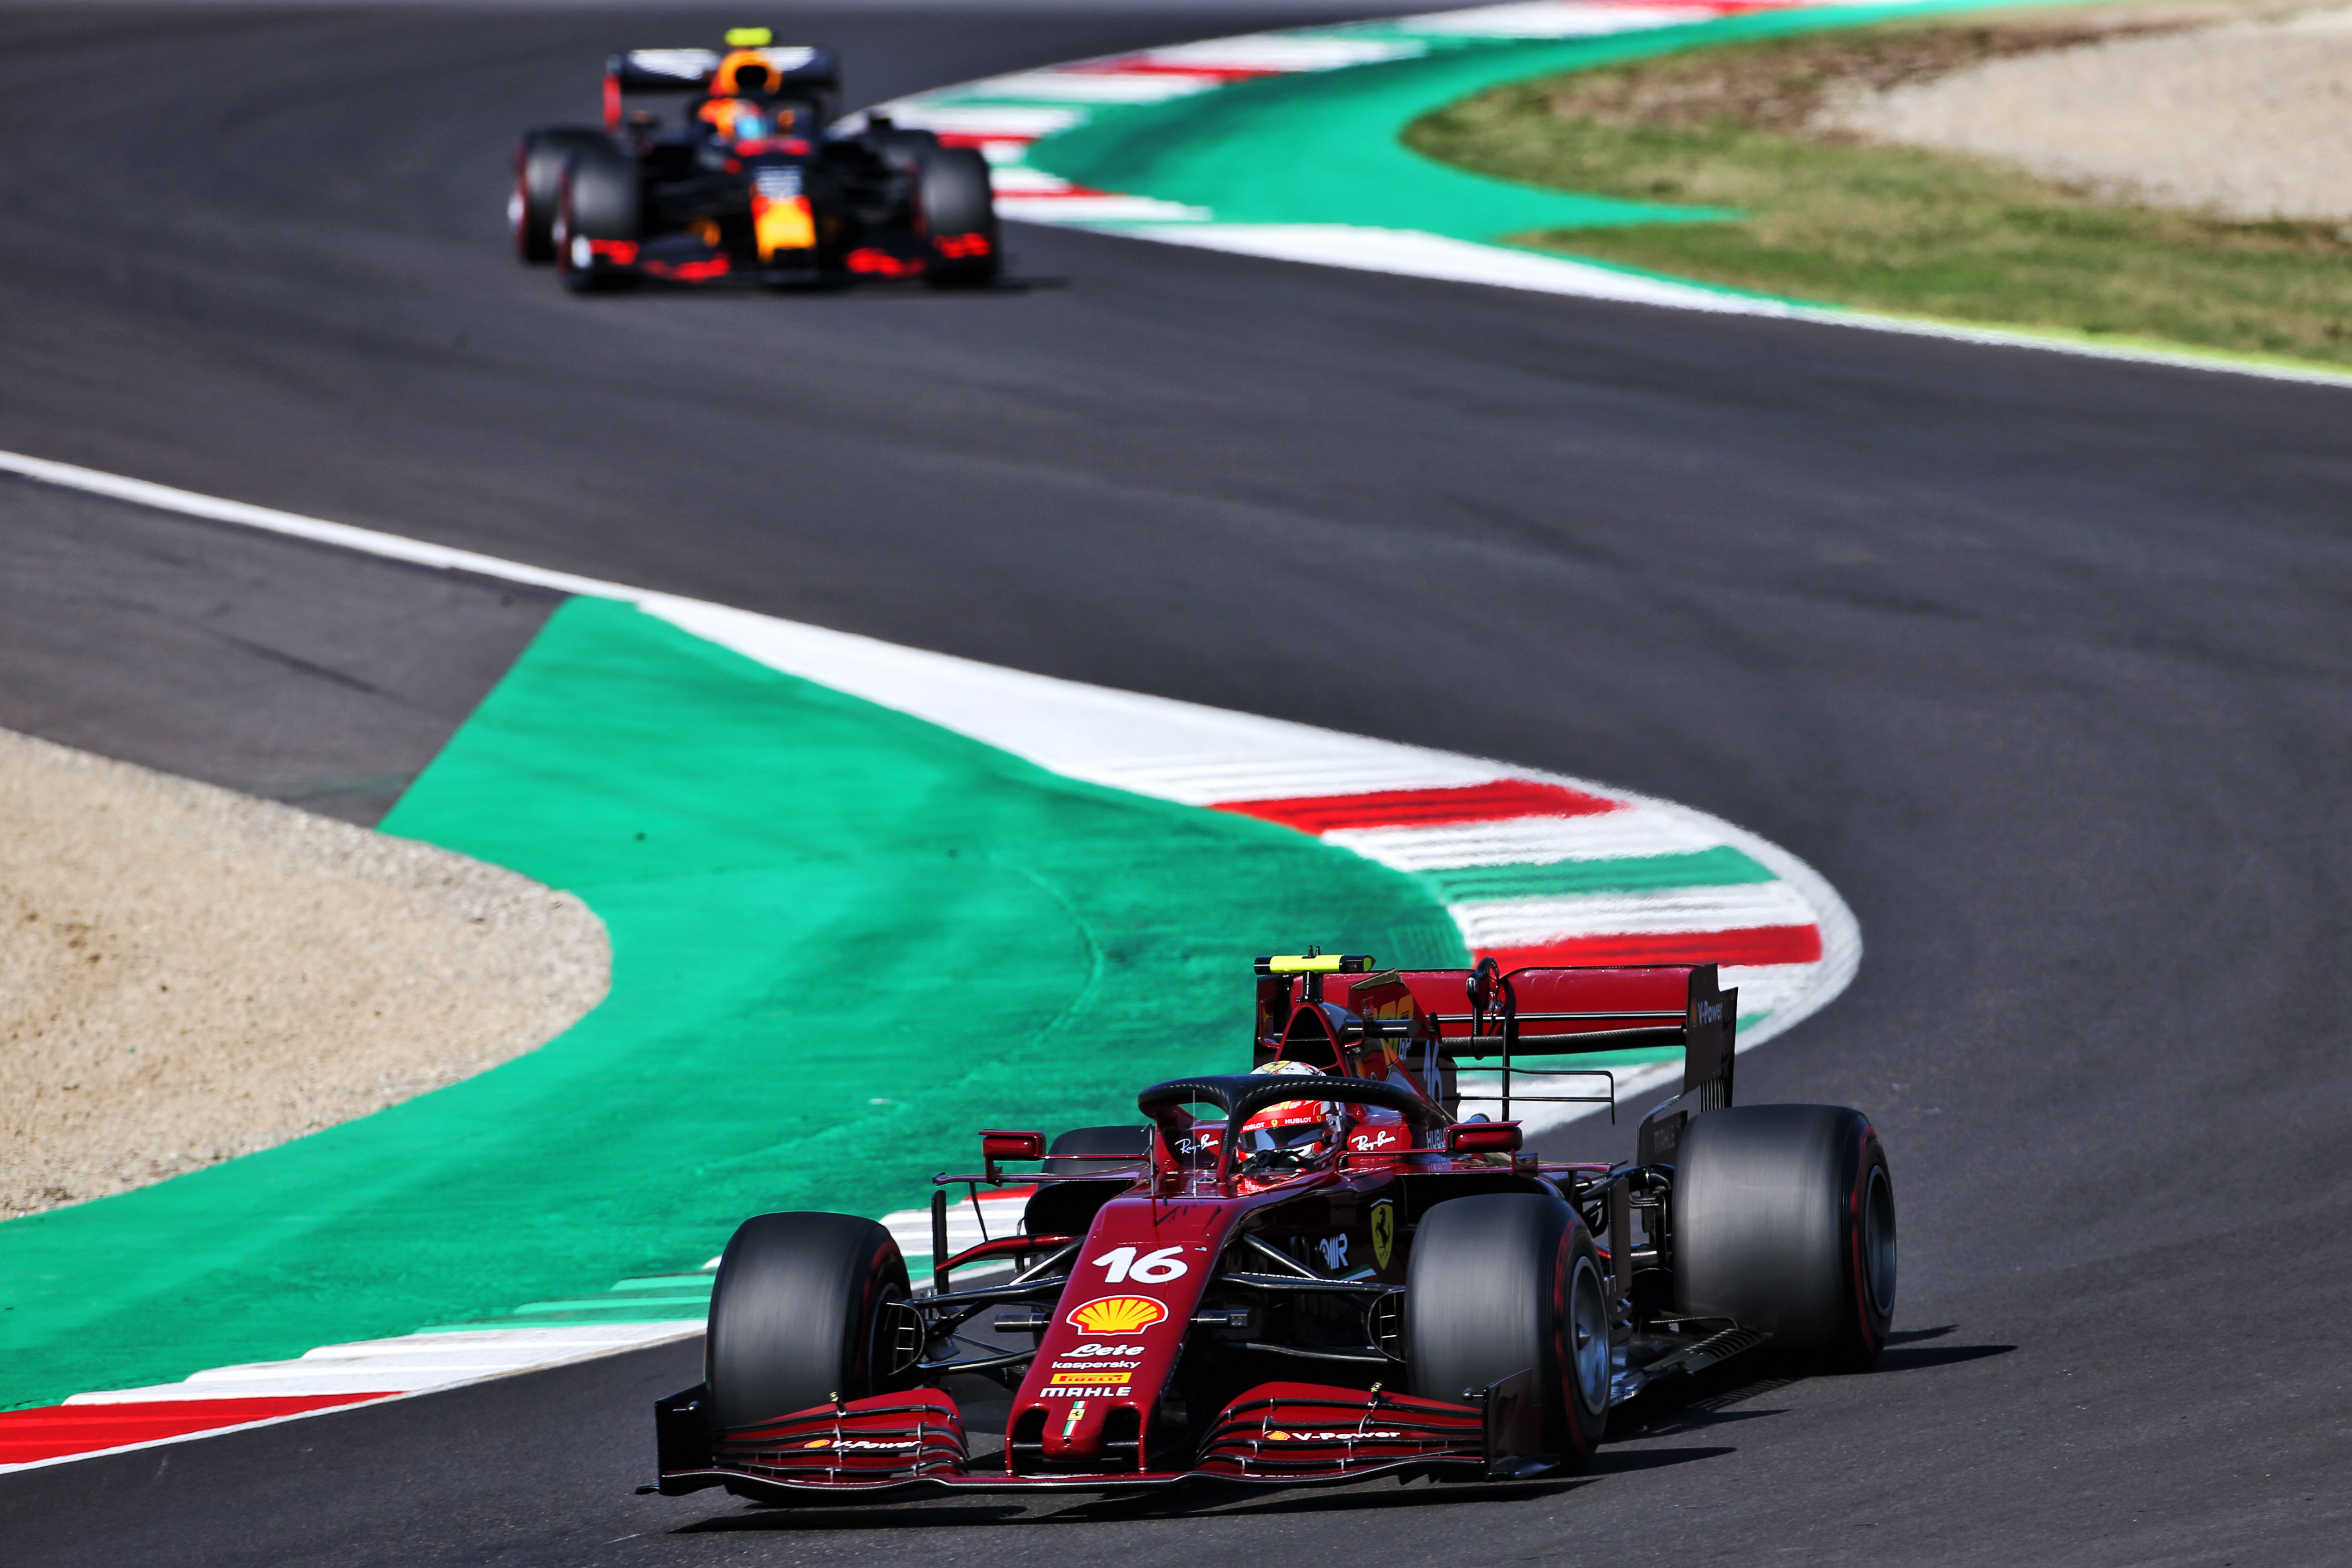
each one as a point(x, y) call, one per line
point(783, 868)
point(1324, 148)
point(1321, 147)
point(1719, 868)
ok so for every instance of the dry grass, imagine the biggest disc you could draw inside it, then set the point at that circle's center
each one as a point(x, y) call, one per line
point(1891, 229)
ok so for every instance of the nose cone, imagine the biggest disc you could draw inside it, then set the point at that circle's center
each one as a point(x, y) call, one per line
point(1074, 1437)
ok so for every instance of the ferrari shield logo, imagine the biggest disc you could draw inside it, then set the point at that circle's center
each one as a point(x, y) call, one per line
point(1383, 1231)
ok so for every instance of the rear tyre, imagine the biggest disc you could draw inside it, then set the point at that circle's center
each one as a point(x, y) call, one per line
point(1503, 1282)
point(538, 166)
point(1784, 1220)
point(597, 199)
point(799, 1315)
point(955, 213)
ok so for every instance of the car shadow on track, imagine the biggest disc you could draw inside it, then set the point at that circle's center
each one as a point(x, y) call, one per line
point(1917, 1358)
point(1200, 1501)
point(836, 290)
point(1707, 1400)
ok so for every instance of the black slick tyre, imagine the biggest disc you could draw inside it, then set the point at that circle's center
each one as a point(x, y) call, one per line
point(799, 1314)
point(538, 166)
point(1783, 1220)
point(597, 199)
point(1501, 1283)
point(955, 213)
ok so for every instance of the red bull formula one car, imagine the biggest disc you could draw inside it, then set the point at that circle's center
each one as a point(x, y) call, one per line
point(748, 186)
point(1314, 1271)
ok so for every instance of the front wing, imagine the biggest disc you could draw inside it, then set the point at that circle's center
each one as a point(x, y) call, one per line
point(1278, 1434)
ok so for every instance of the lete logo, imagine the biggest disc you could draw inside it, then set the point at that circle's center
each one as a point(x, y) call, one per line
point(1117, 1314)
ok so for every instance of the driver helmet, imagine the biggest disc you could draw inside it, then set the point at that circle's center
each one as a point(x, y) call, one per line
point(734, 119)
point(737, 108)
point(1294, 1132)
point(743, 72)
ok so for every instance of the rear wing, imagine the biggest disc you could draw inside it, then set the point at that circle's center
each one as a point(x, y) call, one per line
point(690, 70)
point(1476, 1015)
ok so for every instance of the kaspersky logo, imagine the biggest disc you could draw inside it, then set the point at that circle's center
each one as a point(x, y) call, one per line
point(1117, 1314)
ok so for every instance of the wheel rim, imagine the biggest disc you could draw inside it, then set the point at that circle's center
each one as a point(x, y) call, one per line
point(1588, 1335)
point(1878, 1241)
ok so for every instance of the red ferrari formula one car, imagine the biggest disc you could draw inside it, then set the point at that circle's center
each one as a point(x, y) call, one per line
point(748, 186)
point(1314, 1271)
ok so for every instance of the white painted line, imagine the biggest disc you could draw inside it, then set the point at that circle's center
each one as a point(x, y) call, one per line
point(1089, 87)
point(407, 1363)
point(1525, 840)
point(1411, 253)
point(1556, 20)
point(173, 1393)
point(1414, 253)
point(367, 540)
point(1531, 922)
point(1094, 206)
point(1149, 745)
point(912, 1228)
point(1281, 53)
point(1177, 751)
point(1146, 745)
point(1019, 180)
point(979, 120)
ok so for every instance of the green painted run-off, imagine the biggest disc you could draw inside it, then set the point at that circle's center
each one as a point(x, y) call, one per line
point(1322, 147)
point(843, 939)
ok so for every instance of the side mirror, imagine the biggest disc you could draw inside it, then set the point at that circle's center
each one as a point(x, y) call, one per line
point(995, 1146)
point(1483, 1138)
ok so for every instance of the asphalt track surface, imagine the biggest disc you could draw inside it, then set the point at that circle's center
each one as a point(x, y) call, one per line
point(2042, 661)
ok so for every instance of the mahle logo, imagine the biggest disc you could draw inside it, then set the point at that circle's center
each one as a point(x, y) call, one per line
point(1117, 1314)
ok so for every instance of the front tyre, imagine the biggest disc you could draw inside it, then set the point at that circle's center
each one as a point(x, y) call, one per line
point(799, 1315)
point(538, 167)
point(1783, 1220)
point(1504, 1283)
point(955, 214)
point(599, 218)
